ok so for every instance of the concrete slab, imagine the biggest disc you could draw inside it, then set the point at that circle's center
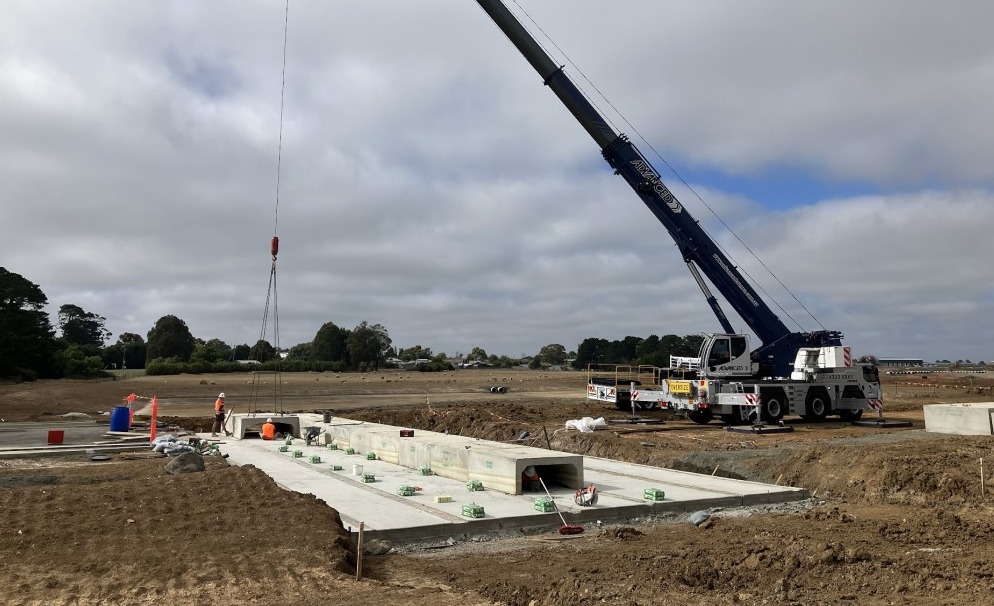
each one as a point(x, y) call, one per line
point(64, 450)
point(36, 434)
point(390, 516)
point(499, 466)
point(972, 418)
point(32, 439)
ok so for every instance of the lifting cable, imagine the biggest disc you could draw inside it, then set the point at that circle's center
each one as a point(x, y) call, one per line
point(274, 250)
point(682, 180)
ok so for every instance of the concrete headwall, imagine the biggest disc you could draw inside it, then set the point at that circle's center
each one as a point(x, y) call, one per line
point(974, 418)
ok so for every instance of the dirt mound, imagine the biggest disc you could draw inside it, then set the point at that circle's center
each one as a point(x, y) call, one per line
point(124, 531)
point(829, 556)
point(902, 519)
point(861, 464)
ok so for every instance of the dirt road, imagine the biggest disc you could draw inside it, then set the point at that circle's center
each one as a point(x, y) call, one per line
point(898, 518)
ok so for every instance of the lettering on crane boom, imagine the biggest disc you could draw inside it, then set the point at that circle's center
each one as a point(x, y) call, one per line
point(736, 280)
point(678, 386)
point(668, 198)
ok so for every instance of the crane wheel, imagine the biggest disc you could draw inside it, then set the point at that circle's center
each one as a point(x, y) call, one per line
point(850, 415)
point(701, 417)
point(816, 407)
point(771, 405)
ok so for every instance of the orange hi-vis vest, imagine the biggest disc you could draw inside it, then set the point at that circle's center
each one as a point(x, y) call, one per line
point(268, 431)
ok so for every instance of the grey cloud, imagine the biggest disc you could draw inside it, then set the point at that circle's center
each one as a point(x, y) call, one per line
point(432, 184)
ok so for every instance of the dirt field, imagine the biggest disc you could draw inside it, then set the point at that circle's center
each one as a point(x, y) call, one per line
point(898, 515)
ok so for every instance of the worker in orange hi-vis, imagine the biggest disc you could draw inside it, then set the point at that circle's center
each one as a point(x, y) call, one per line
point(218, 414)
point(268, 431)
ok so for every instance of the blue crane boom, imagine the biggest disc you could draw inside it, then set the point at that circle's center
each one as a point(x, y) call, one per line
point(779, 345)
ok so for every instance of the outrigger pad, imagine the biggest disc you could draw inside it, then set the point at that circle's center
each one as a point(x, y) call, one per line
point(760, 428)
point(882, 423)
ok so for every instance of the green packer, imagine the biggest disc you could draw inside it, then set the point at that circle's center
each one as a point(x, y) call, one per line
point(336, 467)
point(332, 446)
point(474, 485)
point(545, 505)
point(368, 478)
point(406, 491)
point(472, 510)
point(284, 448)
point(297, 454)
point(425, 471)
point(349, 451)
point(653, 494)
point(370, 456)
point(315, 459)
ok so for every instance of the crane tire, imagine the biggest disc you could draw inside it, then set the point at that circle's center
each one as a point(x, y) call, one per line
point(816, 405)
point(850, 416)
point(772, 405)
point(701, 417)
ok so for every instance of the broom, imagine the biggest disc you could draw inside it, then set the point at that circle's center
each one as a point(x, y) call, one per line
point(565, 528)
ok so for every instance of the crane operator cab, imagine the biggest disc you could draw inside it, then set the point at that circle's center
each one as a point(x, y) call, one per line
point(725, 355)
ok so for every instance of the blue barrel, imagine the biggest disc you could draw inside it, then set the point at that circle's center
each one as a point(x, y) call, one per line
point(120, 418)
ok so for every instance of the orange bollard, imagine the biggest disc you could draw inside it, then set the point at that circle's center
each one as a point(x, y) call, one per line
point(155, 412)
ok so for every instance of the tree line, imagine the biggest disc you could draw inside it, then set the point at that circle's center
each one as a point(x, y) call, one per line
point(31, 347)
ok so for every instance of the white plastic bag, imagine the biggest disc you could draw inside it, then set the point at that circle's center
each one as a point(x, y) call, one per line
point(586, 424)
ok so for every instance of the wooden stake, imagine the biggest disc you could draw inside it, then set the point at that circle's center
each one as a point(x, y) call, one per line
point(981, 476)
point(777, 483)
point(715, 469)
point(548, 444)
point(358, 563)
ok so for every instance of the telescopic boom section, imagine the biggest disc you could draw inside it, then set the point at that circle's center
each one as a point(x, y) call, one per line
point(694, 244)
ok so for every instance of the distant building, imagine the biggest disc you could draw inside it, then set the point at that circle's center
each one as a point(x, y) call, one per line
point(900, 362)
point(407, 364)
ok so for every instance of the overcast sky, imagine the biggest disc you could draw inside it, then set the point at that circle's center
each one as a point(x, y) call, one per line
point(431, 184)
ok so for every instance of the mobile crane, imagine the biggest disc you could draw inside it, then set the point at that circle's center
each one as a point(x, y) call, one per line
point(810, 374)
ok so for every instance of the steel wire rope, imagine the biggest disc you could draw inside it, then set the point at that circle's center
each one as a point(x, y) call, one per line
point(682, 180)
point(271, 291)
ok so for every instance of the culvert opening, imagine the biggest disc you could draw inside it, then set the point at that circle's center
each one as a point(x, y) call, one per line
point(554, 475)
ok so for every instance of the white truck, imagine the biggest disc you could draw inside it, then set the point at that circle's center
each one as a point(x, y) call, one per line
point(824, 382)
